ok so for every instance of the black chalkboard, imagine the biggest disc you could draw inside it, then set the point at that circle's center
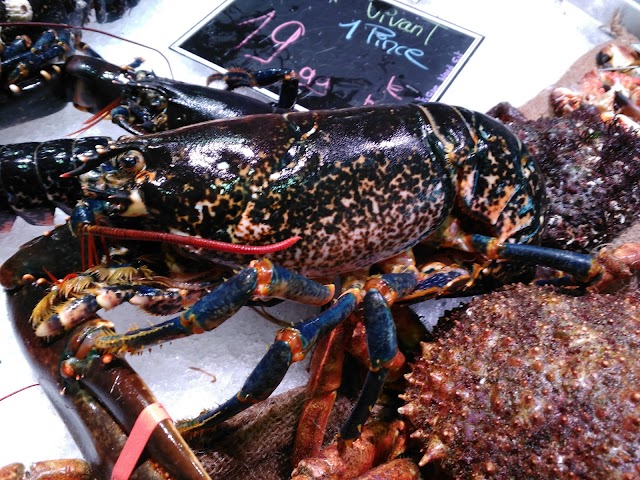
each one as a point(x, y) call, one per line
point(347, 52)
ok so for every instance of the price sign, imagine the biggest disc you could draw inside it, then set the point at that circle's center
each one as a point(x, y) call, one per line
point(346, 52)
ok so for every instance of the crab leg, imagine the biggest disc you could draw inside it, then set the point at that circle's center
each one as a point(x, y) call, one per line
point(379, 441)
point(325, 377)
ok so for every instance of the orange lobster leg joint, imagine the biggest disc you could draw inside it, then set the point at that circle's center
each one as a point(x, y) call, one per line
point(292, 337)
point(278, 282)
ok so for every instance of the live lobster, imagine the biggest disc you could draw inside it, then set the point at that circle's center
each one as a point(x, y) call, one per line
point(139, 101)
point(32, 81)
point(449, 170)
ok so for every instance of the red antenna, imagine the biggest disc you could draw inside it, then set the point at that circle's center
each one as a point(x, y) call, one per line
point(145, 235)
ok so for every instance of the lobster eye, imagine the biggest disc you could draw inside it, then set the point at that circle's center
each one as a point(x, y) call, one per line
point(132, 161)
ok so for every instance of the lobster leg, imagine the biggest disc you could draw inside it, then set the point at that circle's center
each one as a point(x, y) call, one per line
point(380, 353)
point(19, 45)
point(601, 272)
point(291, 345)
point(50, 45)
point(238, 77)
point(382, 345)
point(581, 266)
point(607, 270)
point(261, 279)
point(379, 441)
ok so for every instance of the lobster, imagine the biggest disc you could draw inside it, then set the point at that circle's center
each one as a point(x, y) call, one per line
point(465, 187)
point(138, 101)
point(33, 83)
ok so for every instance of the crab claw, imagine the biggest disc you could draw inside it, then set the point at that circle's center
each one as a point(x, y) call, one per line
point(619, 266)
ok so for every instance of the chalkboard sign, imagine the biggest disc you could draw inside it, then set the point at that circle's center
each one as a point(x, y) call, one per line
point(346, 52)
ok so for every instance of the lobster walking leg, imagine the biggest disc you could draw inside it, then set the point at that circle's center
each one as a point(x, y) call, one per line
point(383, 347)
point(261, 279)
point(291, 345)
point(49, 46)
point(237, 77)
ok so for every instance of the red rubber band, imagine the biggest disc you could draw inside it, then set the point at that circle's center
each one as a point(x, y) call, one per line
point(146, 422)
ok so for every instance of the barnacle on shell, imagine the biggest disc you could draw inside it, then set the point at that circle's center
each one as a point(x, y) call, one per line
point(529, 383)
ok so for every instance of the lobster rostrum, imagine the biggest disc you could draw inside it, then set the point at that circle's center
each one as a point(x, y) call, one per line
point(362, 187)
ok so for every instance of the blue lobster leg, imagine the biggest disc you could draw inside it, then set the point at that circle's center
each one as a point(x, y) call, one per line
point(261, 279)
point(380, 352)
point(382, 344)
point(50, 45)
point(443, 279)
point(238, 77)
point(291, 345)
point(19, 45)
point(584, 268)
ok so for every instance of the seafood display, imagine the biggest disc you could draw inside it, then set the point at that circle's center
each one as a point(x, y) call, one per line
point(111, 177)
point(218, 201)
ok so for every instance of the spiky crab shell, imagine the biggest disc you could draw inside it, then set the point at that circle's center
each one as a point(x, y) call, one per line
point(532, 384)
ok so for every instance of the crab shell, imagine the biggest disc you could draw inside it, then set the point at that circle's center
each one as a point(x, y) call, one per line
point(532, 384)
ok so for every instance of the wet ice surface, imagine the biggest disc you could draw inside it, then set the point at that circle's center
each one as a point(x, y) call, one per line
point(515, 61)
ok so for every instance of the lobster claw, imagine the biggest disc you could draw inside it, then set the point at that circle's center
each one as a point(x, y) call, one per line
point(94, 83)
point(103, 405)
point(141, 102)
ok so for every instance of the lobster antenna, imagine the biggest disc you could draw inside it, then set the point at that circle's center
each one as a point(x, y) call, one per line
point(88, 29)
point(96, 118)
point(198, 242)
point(11, 394)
